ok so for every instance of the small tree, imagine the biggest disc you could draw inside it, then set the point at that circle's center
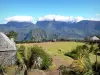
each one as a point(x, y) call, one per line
point(12, 34)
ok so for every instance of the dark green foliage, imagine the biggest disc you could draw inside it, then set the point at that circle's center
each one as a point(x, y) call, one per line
point(80, 50)
point(12, 34)
point(96, 68)
point(72, 55)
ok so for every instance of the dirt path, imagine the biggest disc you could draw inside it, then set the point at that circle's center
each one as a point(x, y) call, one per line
point(58, 61)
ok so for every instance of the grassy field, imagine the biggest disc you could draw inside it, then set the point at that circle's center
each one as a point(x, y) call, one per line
point(59, 58)
point(53, 48)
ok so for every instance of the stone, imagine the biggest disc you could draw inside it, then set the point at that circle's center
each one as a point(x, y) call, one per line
point(7, 50)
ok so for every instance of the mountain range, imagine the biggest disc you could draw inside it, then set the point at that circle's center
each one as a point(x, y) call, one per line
point(52, 29)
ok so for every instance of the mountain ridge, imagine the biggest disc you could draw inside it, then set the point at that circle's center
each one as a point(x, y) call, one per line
point(54, 28)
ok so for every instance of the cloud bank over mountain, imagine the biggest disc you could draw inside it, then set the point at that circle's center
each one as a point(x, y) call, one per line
point(53, 29)
point(61, 18)
point(20, 18)
point(51, 18)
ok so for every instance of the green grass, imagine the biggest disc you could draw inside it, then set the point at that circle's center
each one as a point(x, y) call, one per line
point(52, 66)
point(93, 58)
point(53, 47)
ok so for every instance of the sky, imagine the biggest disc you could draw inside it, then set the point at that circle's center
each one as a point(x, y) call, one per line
point(60, 10)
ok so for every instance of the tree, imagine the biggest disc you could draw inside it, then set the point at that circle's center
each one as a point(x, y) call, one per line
point(12, 34)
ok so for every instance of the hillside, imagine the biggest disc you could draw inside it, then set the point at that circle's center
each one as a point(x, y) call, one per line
point(36, 34)
point(53, 29)
point(22, 28)
point(71, 29)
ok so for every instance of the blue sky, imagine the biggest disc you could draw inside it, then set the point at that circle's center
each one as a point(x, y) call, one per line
point(39, 8)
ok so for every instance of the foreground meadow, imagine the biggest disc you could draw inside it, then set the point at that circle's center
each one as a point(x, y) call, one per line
point(53, 47)
point(59, 48)
point(56, 50)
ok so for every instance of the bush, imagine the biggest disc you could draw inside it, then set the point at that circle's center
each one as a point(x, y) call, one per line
point(29, 57)
point(80, 50)
point(72, 54)
point(39, 52)
point(81, 64)
point(63, 70)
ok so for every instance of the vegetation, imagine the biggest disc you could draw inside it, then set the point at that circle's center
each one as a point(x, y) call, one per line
point(2, 70)
point(96, 68)
point(28, 57)
point(63, 70)
point(39, 52)
point(82, 61)
point(12, 34)
point(80, 64)
point(79, 52)
point(52, 48)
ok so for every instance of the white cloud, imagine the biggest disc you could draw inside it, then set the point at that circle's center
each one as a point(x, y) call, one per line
point(61, 18)
point(50, 18)
point(20, 18)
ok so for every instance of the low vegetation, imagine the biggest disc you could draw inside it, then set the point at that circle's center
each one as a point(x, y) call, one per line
point(80, 57)
point(33, 57)
point(82, 64)
point(96, 68)
point(53, 48)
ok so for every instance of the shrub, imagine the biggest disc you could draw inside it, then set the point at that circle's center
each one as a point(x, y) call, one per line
point(29, 57)
point(63, 70)
point(72, 54)
point(20, 55)
point(82, 62)
point(39, 52)
point(79, 52)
